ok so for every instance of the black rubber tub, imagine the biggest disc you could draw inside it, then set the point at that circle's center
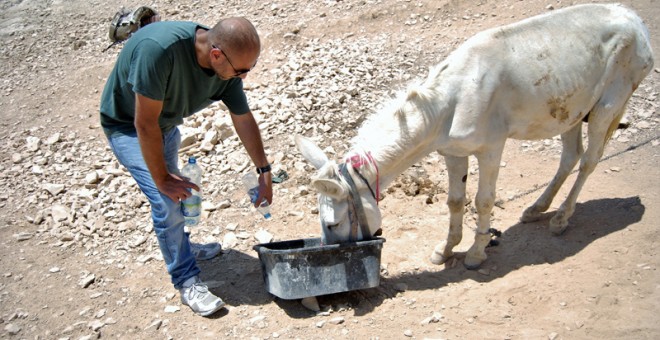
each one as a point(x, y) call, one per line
point(302, 268)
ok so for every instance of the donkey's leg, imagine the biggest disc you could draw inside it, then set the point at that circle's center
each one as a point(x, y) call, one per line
point(604, 119)
point(489, 166)
point(571, 151)
point(457, 170)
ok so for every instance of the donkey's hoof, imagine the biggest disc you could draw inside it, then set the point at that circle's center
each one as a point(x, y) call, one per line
point(531, 215)
point(438, 257)
point(558, 227)
point(474, 259)
point(472, 264)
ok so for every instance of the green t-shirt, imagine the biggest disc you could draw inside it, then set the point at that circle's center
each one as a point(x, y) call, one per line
point(159, 62)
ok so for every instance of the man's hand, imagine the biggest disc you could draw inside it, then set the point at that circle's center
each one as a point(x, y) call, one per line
point(147, 112)
point(175, 187)
point(248, 131)
point(265, 188)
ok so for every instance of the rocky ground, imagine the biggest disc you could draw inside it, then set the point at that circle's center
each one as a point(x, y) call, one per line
point(79, 260)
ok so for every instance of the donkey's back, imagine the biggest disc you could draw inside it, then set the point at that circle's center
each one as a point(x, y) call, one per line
point(541, 76)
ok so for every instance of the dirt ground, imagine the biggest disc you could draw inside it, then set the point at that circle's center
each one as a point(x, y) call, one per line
point(599, 280)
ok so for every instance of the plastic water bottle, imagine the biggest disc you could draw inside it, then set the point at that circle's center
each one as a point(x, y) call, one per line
point(251, 183)
point(191, 207)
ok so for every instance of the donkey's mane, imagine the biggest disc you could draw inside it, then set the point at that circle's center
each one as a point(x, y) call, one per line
point(402, 120)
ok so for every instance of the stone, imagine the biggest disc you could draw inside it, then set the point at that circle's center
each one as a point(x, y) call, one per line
point(54, 138)
point(16, 158)
point(12, 329)
point(32, 143)
point(172, 309)
point(436, 317)
point(87, 280)
point(54, 189)
point(96, 325)
point(155, 325)
point(209, 206)
point(311, 303)
point(263, 236)
point(92, 178)
point(59, 212)
point(229, 241)
point(23, 236)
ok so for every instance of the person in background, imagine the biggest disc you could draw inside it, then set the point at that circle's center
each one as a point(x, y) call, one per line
point(166, 72)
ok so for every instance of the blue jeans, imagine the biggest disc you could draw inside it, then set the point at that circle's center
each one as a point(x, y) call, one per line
point(166, 214)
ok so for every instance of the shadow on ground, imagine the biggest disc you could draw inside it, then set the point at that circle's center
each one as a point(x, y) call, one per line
point(239, 277)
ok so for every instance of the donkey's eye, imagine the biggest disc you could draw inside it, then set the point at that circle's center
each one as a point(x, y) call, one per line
point(330, 226)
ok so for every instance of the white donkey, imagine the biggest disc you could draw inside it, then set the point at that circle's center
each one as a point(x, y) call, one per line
point(533, 79)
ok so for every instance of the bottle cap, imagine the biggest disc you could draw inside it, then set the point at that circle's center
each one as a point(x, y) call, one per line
point(192, 160)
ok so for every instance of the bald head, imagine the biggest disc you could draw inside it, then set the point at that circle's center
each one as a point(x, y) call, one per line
point(236, 34)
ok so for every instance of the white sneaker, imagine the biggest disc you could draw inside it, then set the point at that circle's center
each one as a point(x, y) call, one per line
point(196, 295)
point(206, 251)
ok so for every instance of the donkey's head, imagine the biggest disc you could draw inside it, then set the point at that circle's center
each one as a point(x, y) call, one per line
point(348, 195)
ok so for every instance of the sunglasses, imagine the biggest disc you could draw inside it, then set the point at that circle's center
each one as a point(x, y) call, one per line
point(237, 73)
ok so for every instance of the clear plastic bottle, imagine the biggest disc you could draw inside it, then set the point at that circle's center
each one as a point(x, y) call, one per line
point(191, 207)
point(251, 183)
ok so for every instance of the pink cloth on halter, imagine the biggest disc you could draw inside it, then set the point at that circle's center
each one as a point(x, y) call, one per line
point(357, 161)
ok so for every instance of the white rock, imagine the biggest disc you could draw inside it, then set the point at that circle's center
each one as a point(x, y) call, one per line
point(311, 303)
point(229, 241)
point(208, 206)
point(145, 258)
point(23, 236)
point(12, 329)
point(37, 170)
point(32, 143)
point(172, 309)
point(100, 313)
point(92, 178)
point(188, 136)
point(210, 140)
point(432, 319)
point(243, 235)
point(263, 236)
point(54, 189)
point(16, 158)
point(59, 212)
point(155, 325)
point(54, 138)
point(224, 204)
point(87, 280)
point(257, 319)
point(138, 241)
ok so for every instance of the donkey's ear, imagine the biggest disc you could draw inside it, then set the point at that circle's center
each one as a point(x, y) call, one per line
point(330, 187)
point(311, 152)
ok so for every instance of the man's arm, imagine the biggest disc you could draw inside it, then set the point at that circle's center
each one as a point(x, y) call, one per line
point(147, 111)
point(248, 131)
